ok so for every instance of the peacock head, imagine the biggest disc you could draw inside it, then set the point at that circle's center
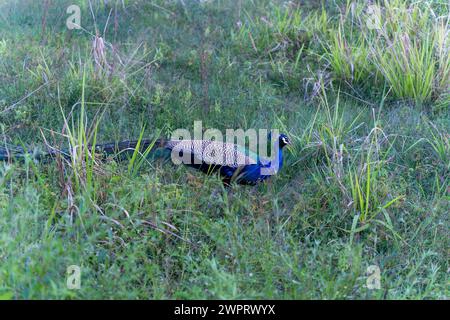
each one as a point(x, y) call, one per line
point(284, 141)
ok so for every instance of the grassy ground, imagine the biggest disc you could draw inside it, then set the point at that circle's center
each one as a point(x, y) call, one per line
point(366, 182)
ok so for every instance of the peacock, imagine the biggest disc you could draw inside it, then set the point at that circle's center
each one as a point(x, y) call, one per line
point(233, 162)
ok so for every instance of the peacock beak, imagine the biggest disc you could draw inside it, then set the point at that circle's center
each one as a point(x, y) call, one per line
point(288, 146)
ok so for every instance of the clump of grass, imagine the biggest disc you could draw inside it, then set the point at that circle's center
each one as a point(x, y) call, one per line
point(139, 157)
point(284, 31)
point(346, 49)
point(80, 137)
point(406, 57)
point(440, 142)
point(409, 50)
point(356, 166)
point(365, 187)
point(348, 60)
point(285, 36)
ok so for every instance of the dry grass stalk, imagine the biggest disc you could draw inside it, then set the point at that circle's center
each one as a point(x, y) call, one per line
point(99, 55)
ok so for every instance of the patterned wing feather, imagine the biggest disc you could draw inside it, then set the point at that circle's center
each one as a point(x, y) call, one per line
point(212, 152)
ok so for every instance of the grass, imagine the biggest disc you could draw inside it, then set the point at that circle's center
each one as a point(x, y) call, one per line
point(409, 50)
point(365, 182)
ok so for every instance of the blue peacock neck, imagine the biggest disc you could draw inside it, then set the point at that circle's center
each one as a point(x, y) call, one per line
point(273, 165)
